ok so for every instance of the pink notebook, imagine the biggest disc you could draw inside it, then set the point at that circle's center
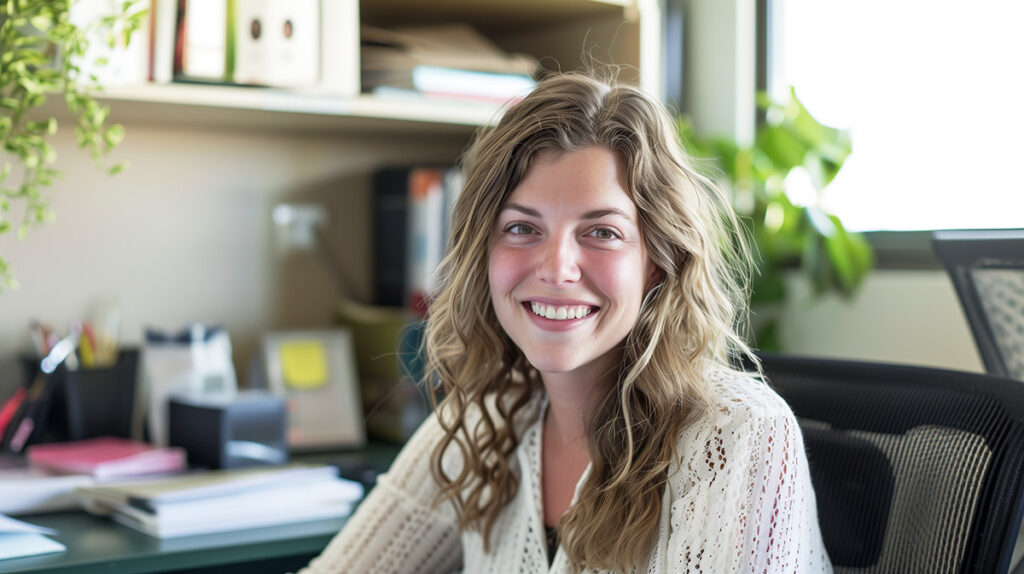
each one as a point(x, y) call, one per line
point(107, 457)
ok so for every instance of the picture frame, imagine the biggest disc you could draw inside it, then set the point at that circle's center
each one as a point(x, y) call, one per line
point(315, 371)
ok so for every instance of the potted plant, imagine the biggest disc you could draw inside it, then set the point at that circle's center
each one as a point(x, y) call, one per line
point(790, 145)
point(44, 52)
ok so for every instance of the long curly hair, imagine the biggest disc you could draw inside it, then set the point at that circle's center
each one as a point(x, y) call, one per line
point(688, 324)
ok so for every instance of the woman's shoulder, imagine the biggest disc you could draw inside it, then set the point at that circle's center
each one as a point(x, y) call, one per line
point(739, 401)
point(745, 411)
point(744, 395)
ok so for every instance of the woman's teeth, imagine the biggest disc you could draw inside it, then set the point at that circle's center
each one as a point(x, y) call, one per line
point(560, 313)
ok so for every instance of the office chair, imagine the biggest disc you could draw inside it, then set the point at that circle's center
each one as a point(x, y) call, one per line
point(915, 470)
point(987, 270)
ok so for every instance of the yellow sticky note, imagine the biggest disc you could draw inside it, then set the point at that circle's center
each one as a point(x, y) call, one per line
point(304, 364)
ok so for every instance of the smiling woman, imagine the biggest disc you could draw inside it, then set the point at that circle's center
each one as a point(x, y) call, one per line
point(584, 337)
point(568, 267)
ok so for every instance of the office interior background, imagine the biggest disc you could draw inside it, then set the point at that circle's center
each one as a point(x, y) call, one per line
point(185, 234)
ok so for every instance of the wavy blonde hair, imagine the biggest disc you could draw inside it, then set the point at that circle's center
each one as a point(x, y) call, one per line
point(687, 325)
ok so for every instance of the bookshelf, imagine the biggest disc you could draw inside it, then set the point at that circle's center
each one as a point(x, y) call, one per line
point(185, 233)
point(561, 34)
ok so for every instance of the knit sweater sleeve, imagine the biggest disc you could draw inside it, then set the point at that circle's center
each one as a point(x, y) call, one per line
point(397, 528)
point(742, 496)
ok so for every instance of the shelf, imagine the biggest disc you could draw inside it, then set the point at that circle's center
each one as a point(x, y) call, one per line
point(261, 108)
point(556, 32)
point(490, 15)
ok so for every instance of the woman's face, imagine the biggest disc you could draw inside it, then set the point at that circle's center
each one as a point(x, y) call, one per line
point(568, 268)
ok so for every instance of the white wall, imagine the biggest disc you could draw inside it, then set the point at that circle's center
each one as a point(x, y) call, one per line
point(909, 317)
point(185, 234)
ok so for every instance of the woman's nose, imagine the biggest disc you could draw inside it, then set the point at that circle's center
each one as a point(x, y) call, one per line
point(559, 261)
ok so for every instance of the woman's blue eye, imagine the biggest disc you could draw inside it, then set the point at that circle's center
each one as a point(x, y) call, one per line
point(519, 229)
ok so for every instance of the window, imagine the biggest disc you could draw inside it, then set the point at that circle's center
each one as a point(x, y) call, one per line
point(932, 93)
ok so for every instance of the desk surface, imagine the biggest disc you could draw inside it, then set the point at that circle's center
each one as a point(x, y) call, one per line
point(96, 544)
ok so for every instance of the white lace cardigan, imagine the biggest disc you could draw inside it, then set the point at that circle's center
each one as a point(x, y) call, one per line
point(739, 500)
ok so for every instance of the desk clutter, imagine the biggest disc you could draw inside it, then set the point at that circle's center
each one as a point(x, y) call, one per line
point(161, 438)
point(181, 389)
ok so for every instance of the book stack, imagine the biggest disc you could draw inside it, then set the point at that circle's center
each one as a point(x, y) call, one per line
point(106, 458)
point(452, 61)
point(222, 500)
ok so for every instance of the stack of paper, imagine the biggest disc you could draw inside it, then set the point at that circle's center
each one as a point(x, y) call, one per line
point(19, 538)
point(222, 500)
point(31, 491)
point(107, 457)
point(451, 60)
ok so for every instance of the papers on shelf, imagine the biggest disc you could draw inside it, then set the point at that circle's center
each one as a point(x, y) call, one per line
point(19, 538)
point(449, 61)
point(450, 46)
point(217, 501)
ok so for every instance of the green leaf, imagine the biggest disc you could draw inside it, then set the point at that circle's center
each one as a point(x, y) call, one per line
point(768, 288)
point(49, 153)
point(114, 135)
point(120, 167)
point(780, 146)
point(42, 23)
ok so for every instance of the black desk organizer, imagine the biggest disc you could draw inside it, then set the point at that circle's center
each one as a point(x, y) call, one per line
point(87, 402)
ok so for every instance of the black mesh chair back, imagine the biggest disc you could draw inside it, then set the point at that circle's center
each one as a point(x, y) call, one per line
point(987, 270)
point(915, 470)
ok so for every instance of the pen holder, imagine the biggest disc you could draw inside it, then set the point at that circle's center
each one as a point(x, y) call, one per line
point(92, 402)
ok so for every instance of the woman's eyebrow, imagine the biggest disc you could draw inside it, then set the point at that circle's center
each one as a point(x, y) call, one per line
point(599, 213)
point(593, 214)
point(521, 209)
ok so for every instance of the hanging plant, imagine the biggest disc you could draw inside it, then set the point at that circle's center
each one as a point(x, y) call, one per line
point(43, 53)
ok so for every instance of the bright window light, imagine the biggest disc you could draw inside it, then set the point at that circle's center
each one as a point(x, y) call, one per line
point(933, 93)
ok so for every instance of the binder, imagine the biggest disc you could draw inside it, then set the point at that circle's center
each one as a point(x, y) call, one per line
point(276, 42)
point(412, 212)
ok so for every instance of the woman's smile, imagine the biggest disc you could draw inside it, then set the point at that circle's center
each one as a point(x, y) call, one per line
point(568, 266)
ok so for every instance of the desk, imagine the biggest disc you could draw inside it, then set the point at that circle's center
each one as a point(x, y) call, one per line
point(96, 544)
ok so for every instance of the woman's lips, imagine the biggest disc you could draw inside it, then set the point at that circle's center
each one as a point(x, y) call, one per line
point(554, 317)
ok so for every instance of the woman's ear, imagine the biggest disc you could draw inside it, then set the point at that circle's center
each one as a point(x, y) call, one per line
point(655, 275)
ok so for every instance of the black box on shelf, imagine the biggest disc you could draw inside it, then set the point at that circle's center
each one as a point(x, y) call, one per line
point(230, 431)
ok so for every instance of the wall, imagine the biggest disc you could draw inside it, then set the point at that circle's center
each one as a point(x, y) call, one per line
point(898, 316)
point(185, 234)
